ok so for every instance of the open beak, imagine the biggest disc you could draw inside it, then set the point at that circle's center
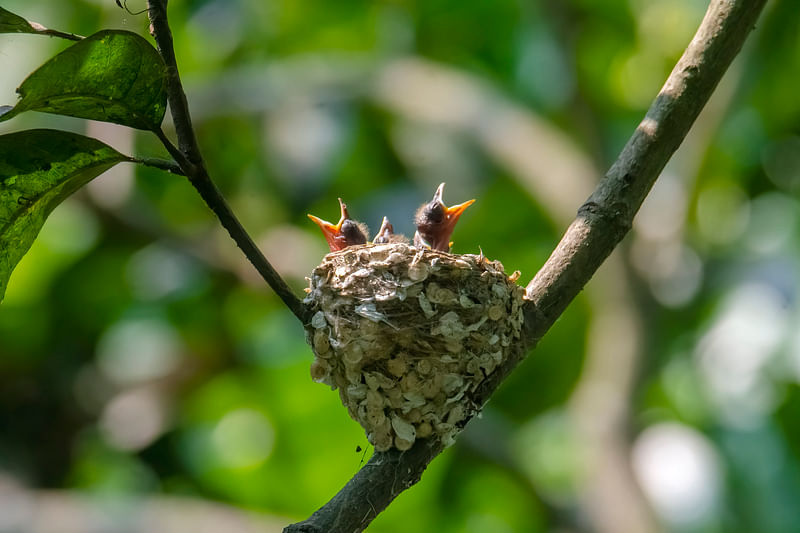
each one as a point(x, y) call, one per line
point(386, 228)
point(452, 213)
point(333, 232)
point(385, 232)
point(330, 231)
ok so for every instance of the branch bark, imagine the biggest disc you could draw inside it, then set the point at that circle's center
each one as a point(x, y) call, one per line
point(189, 158)
point(602, 222)
point(608, 213)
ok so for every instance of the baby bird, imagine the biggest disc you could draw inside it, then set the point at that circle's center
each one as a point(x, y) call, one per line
point(347, 232)
point(435, 222)
point(386, 234)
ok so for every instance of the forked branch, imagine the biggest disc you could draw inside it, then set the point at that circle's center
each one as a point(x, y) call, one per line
point(603, 220)
point(188, 156)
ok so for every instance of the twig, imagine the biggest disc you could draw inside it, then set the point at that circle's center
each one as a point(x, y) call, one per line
point(179, 107)
point(190, 160)
point(601, 223)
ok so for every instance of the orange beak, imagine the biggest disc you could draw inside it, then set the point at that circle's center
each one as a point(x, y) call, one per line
point(435, 222)
point(333, 232)
point(453, 213)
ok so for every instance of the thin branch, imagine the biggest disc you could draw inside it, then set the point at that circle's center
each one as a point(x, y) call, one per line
point(179, 107)
point(173, 150)
point(213, 197)
point(190, 160)
point(602, 222)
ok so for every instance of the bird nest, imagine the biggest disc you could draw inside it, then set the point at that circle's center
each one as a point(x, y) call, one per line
point(408, 334)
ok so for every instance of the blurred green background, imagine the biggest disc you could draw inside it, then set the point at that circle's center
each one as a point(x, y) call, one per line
point(150, 381)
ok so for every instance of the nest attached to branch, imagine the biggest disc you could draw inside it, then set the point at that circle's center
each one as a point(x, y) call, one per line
point(408, 334)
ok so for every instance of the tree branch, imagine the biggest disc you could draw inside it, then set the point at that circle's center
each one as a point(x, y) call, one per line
point(179, 107)
point(608, 213)
point(187, 155)
point(601, 224)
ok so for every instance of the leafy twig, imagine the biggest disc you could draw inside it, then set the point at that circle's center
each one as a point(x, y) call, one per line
point(190, 160)
point(602, 222)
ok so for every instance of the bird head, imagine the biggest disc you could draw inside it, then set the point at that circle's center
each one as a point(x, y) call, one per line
point(347, 232)
point(435, 221)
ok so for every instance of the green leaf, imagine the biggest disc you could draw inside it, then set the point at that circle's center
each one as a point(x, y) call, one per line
point(13, 23)
point(113, 76)
point(38, 170)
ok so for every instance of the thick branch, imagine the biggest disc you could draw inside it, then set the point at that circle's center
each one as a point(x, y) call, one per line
point(189, 158)
point(601, 223)
point(608, 213)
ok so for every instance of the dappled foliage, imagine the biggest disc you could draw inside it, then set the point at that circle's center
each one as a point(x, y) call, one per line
point(140, 353)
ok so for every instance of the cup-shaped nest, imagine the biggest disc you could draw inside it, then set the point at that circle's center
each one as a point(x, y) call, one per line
point(408, 334)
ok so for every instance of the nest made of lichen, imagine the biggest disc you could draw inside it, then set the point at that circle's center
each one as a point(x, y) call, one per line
point(407, 335)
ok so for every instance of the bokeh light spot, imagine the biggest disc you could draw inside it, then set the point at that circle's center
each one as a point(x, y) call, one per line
point(140, 349)
point(244, 438)
point(723, 211)
point(679, 472)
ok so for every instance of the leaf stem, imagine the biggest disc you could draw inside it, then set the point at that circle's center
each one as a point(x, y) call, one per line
point(164, 164)
point(55, 33)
